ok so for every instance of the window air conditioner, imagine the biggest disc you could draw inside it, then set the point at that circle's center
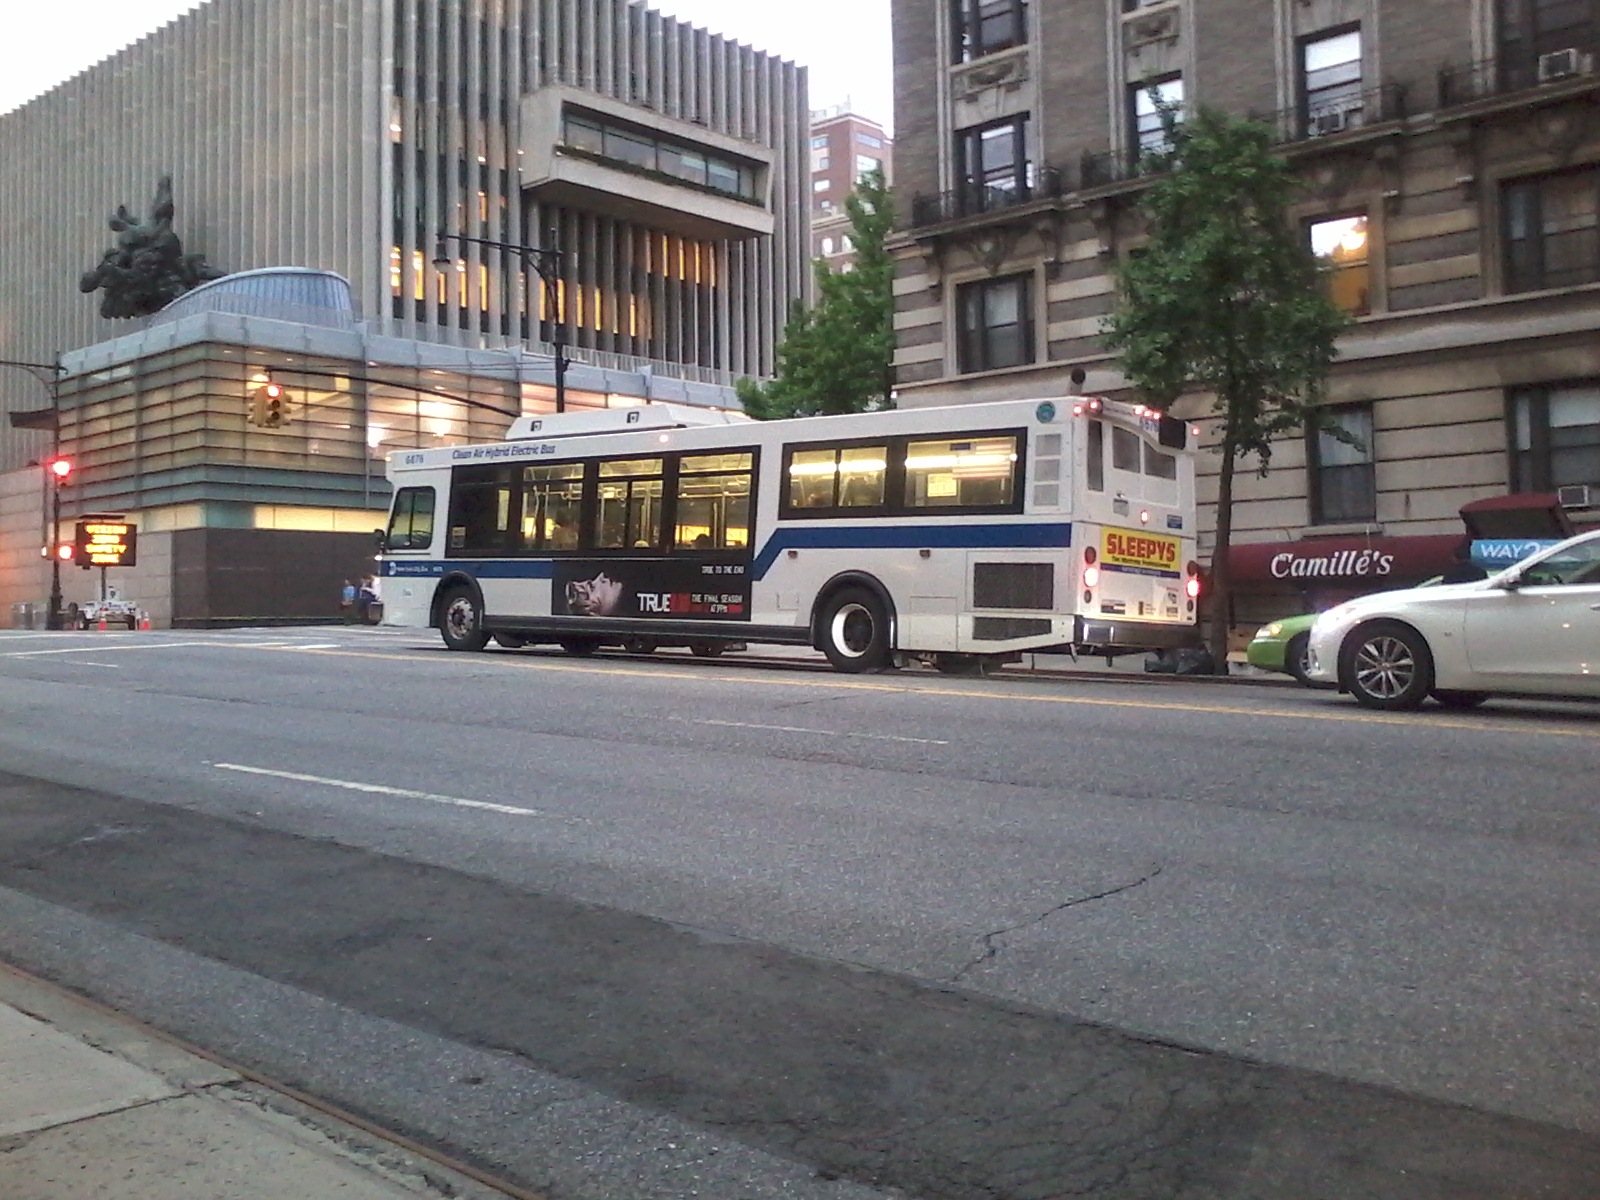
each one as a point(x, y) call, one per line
point(1578, 495)
point(1558, 64)
point(1335, 120)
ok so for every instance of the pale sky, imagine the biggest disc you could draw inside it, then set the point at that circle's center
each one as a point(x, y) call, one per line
point(845, 43)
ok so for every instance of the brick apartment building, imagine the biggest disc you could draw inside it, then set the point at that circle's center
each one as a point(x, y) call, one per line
point(1451, 169)
point(844, 147)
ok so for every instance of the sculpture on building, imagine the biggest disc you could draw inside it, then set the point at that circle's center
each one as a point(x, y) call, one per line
point(147, 269)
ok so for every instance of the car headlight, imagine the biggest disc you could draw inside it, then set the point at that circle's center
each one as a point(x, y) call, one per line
point(1269, 631)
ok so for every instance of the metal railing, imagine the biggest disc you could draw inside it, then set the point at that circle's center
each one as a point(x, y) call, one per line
point(975, 199)
point(1462, 83)
point(1335, 115)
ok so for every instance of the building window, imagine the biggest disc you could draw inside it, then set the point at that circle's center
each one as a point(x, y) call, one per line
point(867, 140)
point(1342, 486)
point(819, 185)
point(819, 161)
point(1550, 231)
point(1330, 81)
point(1146, 100)
point(1555, 437)
point(646, 152)
point(984, 26)
point(820, 142)
point(1544, 29)
point(1340, 244)
point(995, 323)
point(993, 163)
point(866, 164)
point(827, 245)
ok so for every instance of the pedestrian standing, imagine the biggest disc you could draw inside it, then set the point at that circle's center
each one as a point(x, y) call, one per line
point(365, 596)
point(347, 602)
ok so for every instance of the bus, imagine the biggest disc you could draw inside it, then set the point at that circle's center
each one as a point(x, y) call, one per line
point(958, 536)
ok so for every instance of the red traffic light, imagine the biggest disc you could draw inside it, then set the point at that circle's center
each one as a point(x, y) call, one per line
point(64, 551)
point(273, 391)
point(61, 468)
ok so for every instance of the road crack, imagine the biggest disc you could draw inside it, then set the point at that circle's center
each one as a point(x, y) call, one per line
point(992, 943)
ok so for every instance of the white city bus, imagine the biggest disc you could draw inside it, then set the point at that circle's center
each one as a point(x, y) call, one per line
point(955, 536)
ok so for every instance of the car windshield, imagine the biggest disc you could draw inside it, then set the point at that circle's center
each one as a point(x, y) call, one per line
point(1577, 562)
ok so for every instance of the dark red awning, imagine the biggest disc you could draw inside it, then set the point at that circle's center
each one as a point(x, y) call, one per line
point(1363, 563)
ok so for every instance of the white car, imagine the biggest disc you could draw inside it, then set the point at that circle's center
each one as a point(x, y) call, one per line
point(1532, 629)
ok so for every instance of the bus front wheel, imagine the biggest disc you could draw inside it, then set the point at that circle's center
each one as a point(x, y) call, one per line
point(460, 622)
point(855, 631)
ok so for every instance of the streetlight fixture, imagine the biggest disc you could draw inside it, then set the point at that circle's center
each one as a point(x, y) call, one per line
point(48, 374)
point(547, 262)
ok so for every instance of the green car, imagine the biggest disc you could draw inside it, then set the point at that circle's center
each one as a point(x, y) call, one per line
point(1281, 646)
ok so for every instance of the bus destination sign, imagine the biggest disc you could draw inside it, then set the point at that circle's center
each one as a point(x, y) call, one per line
point(102, 543)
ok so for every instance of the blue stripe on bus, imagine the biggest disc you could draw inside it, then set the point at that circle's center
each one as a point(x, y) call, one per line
point(811, 537)
point(481, 568)
point(904, 537)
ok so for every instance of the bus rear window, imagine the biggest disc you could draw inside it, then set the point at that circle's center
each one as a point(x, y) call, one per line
point(965, 473)
point(411, 520)
point(1159, 464)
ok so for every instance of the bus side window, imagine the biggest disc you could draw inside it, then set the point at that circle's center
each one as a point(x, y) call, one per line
point(552, 506)
point(480, 510)
point(714, 501)
point(411, 520)
point(629, 517)
point(1096, 456)
point(971, 473)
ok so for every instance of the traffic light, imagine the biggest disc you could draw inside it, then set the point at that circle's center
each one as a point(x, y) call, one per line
point(65, 551)
point(269, 406)
point(60, 470)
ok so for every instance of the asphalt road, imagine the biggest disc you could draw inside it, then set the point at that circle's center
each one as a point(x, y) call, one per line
point(666, 927)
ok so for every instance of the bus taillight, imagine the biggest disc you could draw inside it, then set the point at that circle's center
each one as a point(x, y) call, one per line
point(1191, 586)
point(1091, 573)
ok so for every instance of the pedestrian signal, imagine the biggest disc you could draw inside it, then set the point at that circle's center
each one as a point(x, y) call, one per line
point(61, 470)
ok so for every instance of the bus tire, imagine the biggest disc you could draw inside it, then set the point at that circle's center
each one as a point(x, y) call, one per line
point(461, 621)
point(854, 631)
point(580, 647)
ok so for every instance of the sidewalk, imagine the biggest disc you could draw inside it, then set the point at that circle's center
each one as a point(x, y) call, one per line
point(94, 1106)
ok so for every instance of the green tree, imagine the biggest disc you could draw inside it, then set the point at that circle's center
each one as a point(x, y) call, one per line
point(838, 357)
point(1226, 298)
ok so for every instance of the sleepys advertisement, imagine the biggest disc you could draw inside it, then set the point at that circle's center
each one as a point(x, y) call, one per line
point(1139, 552)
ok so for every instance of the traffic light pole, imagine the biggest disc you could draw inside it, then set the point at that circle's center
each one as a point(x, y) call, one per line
point(546, 262)
point(49, 374)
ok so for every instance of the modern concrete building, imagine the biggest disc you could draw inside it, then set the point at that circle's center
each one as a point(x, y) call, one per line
point(1451, 170)
point(844, 147)
point(666, 164)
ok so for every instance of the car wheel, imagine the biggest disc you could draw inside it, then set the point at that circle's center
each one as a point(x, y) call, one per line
point(1297, 657)
point(460, 622)
point(580, 647)
point(510, 641)
point(1450, 698)
point(1387, 665)
point(855, 631)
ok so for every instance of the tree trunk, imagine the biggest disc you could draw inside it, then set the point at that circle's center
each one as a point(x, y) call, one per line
point(1221, 585)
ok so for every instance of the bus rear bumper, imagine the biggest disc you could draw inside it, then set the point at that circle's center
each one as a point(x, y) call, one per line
point(1130, 637)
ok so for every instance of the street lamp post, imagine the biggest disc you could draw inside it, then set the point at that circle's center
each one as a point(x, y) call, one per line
point(48, 374)
point(547, 262)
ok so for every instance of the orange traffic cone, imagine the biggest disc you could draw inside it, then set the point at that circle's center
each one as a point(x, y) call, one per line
point(144, 619)
point(102, 622)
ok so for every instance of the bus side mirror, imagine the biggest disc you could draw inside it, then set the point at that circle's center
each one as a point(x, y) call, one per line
point(382, 538)
point(1173, 433)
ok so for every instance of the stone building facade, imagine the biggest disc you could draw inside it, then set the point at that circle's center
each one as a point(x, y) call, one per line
point(1451, 172)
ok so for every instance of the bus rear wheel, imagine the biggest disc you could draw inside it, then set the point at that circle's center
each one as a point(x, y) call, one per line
point(460, 622)
point(855, 631)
